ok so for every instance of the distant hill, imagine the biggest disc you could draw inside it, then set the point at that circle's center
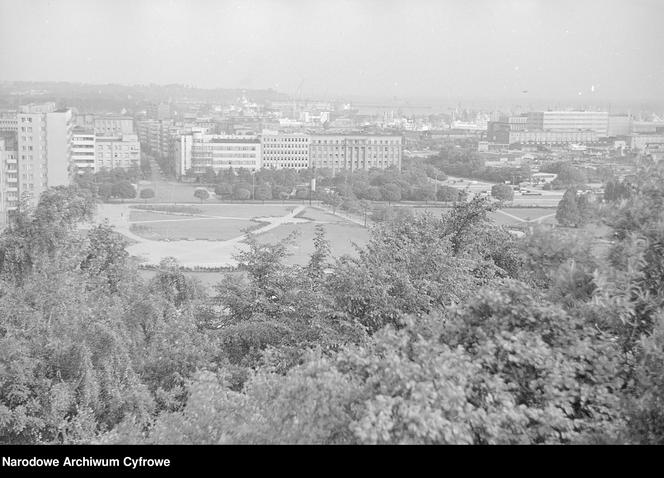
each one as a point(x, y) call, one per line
point(114, 97)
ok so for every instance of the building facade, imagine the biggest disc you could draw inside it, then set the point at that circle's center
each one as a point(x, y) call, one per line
point(83, 149)
point(44, 137)
point(117, 152)
point(282, 150)
point(352, 152)
point(225, 151)
point(597, 121)
point(112, 125)
point(9, 195)
point(552, 137)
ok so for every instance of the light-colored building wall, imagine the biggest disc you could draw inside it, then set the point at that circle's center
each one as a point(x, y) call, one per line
point(641, 141)
point(113, 125)
point(8, 179)
point(182, 154)
point(351, 152)
point(83, 150)
point(597, 121)
point(59, 127)
point(552, 137)
point(117, 152)
point(620, 125)
point(225, 151)
point(282, 150)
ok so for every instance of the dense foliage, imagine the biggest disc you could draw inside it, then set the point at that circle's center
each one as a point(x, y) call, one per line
point(442, 329)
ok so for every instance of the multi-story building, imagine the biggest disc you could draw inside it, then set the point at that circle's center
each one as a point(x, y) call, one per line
point(641, 142)
point(619, 125)
point(225, 151)
point(83, 148)
point(597, 121)
point(113, 125)
point(9, 196)
point(351, 152)
point(552, 137)
point(117, 152)
point(8, 122)
point(282, 150)
point(159, 111)
point(182, 154)
point(44, 148)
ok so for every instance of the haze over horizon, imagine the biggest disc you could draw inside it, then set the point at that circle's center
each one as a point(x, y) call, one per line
point(588, 50)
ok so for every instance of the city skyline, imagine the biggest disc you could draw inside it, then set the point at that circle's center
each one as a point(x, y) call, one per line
point(585, 52)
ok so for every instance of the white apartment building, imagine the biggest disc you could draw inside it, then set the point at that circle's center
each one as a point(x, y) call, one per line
point(117, 152)
point(113, 125)
point(182, 154)
point(83, 147)
point(282, 150)
point(8, 179)
point(44, 148)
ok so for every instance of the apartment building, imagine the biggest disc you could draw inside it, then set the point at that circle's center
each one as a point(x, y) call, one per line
point(117, 152)
point(113, 125)
point(83, 148)
point(44, 136)
point(351, 152)
point(282, 150)
point(9, 195)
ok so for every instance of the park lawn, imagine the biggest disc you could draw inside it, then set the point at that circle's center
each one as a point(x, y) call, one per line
point(340, 235)
point(246, 210)
point(136, 215)
point(203, 229)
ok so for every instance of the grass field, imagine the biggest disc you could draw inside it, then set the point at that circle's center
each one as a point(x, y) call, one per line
point(525, 214)
point(192, 229)
point(340, 233)
point(155, 216)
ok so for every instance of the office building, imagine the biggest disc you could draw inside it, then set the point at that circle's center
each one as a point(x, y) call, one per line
point(619, 125)
point(225, 151)
point(597, 121)
point(352, 152)
point(551, 137)
point(282, 150)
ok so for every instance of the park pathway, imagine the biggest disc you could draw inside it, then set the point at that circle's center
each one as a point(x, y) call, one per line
point(189, 253)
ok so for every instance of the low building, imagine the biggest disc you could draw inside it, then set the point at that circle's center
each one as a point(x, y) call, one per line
point(640, 142)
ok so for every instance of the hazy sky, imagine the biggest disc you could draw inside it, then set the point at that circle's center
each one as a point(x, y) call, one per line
point(405, 48)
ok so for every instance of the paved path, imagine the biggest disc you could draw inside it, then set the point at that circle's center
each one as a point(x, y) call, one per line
point(188, 253)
